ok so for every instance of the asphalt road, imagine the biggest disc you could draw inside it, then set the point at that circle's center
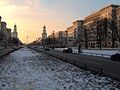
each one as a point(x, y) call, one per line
point(109, 68)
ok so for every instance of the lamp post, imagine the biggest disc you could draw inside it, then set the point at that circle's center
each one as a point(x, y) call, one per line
point(53, 39)
point(99, 41)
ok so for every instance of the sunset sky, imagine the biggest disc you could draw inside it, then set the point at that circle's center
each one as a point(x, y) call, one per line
point(31, 15)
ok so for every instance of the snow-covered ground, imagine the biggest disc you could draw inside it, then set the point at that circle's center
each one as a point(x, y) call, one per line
point(28, 70)
point(97, 52)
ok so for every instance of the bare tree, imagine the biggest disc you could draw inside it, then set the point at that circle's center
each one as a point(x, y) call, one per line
point(112, 25)
point(86, 37)
point(80, 31)
point(99, 33)
point(101, 27)
point(118, 29)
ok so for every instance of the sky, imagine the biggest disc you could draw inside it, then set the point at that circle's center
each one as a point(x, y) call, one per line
point(31, 15)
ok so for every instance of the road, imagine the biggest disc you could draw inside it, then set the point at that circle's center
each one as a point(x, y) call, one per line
point(26, 69)
point(95, 63)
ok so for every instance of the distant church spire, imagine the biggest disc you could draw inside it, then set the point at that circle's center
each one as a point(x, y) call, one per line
point(15, 28)
point(44, 27)
point(15, 34)
point(44, 34)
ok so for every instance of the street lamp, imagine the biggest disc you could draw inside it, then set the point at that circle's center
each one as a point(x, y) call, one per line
point(53, 39)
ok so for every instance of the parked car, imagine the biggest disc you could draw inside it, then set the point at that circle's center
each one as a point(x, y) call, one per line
point(116, 57)
point(67, 50)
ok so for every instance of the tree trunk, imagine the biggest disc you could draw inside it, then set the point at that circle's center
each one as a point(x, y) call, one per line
point(100, 45)
point(79, 48)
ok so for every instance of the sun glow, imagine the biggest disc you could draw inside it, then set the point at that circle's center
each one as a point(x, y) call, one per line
point(31, 15)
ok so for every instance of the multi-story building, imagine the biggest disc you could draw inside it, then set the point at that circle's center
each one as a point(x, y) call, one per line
point(4, 31)
point(58, 38)
point(70, 36)
point(118, 24)
point(0, 22)
point(100, 29)
point(61, 39)
point(90, 27)
point(118, 18)
point(75, 34)
point(6, 35)
point(99, 26)
point(79, 33)
point(9, 35)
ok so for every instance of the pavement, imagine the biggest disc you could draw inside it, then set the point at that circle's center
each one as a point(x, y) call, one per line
point(8, 50)
point(98, 64)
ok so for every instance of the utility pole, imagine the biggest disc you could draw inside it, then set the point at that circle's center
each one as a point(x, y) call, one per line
point(27, 39)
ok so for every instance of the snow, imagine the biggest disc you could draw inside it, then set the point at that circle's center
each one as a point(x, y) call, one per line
point(97, 52)
point(26, 69)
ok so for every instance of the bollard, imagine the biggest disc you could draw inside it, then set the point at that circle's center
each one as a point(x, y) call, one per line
point(74, 62)
point(66, 59)
point(101, 71)
point(85, 66)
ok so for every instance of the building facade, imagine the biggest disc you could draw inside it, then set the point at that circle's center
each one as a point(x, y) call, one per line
point(75, 34)
point(79, 33)
point(6, 36)
point(118, 24)
point(4, 31)
point(70, 36)
point(101, 28)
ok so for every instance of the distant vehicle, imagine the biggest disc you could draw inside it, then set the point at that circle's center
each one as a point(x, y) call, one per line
point(67, 50)
point(116, 57)
point(47, 49)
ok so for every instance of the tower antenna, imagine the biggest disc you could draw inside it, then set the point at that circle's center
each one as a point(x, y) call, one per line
point(27, 39)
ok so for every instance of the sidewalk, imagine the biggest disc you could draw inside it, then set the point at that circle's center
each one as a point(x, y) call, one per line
point(6, 51)
point(97, 64)
point(94, 52)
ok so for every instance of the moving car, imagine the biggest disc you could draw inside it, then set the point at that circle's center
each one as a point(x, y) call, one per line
point(116, 57)
point(47, 49)
point(67, 50)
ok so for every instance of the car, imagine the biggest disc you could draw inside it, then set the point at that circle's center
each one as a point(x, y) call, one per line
point(47, 49)
point(67, 50)
point(116, 57)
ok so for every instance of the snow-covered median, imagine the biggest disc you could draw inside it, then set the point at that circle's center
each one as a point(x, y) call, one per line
point(28, 70)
